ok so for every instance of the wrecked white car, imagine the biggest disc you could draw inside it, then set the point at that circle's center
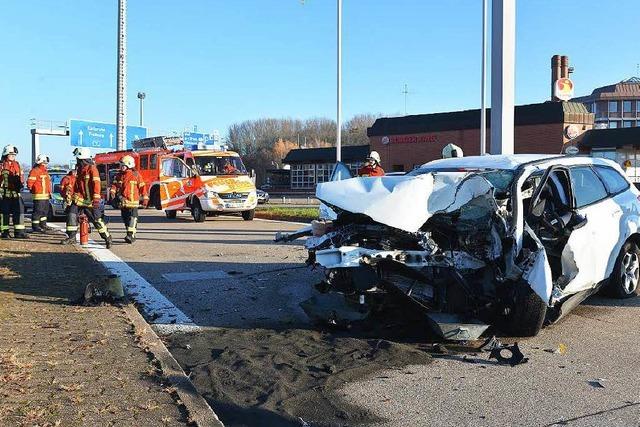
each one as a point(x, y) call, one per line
point(512, 241)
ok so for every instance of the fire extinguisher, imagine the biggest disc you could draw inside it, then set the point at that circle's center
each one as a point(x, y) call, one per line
point(84, 229)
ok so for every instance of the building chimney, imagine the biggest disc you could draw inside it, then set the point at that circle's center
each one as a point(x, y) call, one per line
point(556, 71)
point(564, 65)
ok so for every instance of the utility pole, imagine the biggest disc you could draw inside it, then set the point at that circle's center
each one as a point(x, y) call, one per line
point(483, 83)
point(503, 49)
point(121, 102)
point(141, 97)
point(405, 92)
point(339, 94)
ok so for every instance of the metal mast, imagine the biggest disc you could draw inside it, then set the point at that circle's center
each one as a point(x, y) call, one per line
point(339, 94)
point(121, 109)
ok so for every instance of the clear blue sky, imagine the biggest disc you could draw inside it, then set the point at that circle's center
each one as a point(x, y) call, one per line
point(214, 62)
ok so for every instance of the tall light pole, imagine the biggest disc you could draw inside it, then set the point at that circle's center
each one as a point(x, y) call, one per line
point(483, 83)
point(503, 52)
point(121, 102)
point(141, 97)
point(339, 94)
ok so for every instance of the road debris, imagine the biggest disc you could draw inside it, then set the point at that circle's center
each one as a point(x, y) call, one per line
point(597, 383)
point(561, 349)
point(106, 290)
point(508, 355)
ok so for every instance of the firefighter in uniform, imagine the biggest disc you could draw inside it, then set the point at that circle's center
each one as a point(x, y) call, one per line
point(11, 204)
point(86, 198)
point(39, 183)
point(372, 166)
point(66, 189)
point(125, 192)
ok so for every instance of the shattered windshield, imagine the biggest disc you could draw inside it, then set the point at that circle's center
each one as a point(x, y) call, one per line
point(220, 165)
point(500, 178)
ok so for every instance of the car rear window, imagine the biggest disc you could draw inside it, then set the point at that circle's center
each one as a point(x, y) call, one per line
point(612, 179)
point(587, 187)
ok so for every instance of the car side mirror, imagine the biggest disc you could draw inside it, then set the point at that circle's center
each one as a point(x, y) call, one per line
point(577, 221)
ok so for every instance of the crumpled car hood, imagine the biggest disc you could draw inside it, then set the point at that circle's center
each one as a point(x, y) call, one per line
point(405, 202)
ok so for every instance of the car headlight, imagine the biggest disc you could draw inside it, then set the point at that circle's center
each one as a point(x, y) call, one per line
point(210, 194)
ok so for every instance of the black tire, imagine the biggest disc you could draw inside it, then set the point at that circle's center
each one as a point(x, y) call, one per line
point(623, 282)
point(527, 313)
point(249, 215)
point(171, 214)
point(196, 211)
point(154, 198)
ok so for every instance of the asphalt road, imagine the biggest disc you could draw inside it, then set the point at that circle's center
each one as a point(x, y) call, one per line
point(253, 283)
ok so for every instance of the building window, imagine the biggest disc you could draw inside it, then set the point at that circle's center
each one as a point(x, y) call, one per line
point(613, 125)
point(613, 106)
point(594, 108)
point(626, 106)
point(354, 167)
point(323, 172)
point(627, 124)
point(302, 176)
point(638, 107)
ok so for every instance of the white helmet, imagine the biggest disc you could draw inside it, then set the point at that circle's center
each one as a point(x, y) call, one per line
point(128, 161)
point(451, 150)
point(374, 156)
point(42, 159)
point(82, 153)
point(9, 149)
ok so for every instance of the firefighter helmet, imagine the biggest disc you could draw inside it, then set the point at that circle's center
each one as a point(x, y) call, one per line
point(451, 150)
point(82, 153)
point(42, 159)
point(9, 149)
point(374, 156)
point(128, 161)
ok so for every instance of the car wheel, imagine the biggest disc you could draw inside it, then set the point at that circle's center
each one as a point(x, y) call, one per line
point(171, 214)
point(154, 198)
point(196, 211)
point(527, 315)
point(623, 282)
point(248, 215)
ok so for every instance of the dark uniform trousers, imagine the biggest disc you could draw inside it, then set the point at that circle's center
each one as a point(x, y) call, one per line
point(12, 208)
point(130, 220)
point(39, 216)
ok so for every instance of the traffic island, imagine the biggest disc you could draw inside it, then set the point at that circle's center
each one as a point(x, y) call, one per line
point(63, 363)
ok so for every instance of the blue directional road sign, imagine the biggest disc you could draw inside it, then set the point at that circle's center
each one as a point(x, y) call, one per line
point(193, 139)
point(84, 133)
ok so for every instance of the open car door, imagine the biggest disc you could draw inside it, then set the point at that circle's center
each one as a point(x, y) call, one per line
point(340, 172)
point(177, 182)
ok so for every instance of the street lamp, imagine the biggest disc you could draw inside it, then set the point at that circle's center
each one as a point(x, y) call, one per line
point(141, 97)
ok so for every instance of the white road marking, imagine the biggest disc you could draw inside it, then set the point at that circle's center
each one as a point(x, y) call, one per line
point(195, 275)
point(282, 222)
point(156, 308)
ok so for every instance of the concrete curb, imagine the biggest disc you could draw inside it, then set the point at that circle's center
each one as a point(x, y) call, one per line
point(199, 410)
point(197, 407)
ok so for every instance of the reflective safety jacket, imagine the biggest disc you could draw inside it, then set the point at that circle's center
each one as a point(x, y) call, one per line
point(86, 189)
point(130, 187)
point(371, 171)
point(39, 183)
point(10, 179)
point(66, 187)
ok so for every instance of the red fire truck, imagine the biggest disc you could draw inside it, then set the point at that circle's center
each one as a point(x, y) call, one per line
point(181, 180)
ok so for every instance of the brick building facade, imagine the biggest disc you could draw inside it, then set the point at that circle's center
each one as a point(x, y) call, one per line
point(409, 141)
